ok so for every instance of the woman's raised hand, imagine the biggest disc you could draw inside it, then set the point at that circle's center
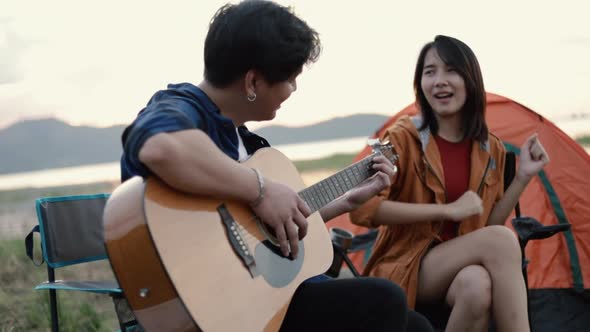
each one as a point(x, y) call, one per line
point(533, 158)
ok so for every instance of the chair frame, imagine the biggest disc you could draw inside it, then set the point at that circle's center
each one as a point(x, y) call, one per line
point(52, 285)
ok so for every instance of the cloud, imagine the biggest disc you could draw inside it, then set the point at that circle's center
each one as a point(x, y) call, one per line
point(98, 63)
point(578, 41)
point(22, 106)
point(12, 48)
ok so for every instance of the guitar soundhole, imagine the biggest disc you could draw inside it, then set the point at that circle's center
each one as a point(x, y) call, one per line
point(268, 232)
point(277, 270)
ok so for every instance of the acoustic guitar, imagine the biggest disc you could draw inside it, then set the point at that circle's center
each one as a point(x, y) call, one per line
point(189, 263)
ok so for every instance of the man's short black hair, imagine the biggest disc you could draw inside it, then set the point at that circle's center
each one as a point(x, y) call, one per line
point(260, 35)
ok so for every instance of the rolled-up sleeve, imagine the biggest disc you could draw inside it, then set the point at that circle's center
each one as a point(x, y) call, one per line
point(364, 215)
point(156, 118)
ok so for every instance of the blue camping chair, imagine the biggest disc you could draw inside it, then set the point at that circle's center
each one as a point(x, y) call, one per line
point(526, 228)
point(70, 229)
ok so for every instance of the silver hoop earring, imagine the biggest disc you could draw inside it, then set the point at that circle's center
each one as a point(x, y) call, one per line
point(251, 97)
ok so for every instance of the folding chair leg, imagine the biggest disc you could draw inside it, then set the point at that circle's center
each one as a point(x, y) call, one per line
point(53, 301)
point(53, 308)
point(349, 263)
point(525, 276)
point(528, 300)
point(339, 256)
point(125, 314)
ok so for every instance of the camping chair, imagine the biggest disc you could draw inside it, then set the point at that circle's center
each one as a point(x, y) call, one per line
point(70, 228)
point(526, 228)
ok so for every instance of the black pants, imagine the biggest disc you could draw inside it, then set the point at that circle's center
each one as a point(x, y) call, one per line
point(346, 305)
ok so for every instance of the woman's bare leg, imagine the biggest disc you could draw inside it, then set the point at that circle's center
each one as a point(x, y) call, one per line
point(470, 296)
point(496, 249)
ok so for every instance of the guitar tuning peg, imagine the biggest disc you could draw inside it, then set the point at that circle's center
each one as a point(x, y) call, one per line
point(373, 142)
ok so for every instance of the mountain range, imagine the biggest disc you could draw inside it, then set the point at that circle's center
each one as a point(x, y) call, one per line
point(51, 143)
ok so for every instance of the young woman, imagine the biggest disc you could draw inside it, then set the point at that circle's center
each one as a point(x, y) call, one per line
point(192, 137)
point(442, 236)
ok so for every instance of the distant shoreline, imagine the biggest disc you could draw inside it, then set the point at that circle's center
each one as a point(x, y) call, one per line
point(17, 207)
point(307, 168)
point(80, 146)
point(109, 173)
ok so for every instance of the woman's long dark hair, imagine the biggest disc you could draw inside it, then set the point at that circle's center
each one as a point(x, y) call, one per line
point(458, 55)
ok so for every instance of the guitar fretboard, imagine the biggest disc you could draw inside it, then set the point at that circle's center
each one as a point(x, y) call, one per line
point(327, 190)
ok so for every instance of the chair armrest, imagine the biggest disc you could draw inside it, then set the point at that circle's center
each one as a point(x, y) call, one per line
point(528, 228)
point(364, 241)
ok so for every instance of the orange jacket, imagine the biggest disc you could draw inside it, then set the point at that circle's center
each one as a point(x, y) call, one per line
point(420, 179)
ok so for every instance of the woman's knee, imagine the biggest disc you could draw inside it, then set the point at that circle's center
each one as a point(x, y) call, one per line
point(472, 287)
point(501, 245)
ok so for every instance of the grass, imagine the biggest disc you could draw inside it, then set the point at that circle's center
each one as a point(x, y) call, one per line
point(24, 309)
point(28, 195)
point(336, 161)
point(584, 140)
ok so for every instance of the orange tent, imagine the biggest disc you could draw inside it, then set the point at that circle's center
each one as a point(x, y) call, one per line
point(558, 195)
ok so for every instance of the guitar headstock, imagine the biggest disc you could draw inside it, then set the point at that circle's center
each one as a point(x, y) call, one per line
point(383, 147)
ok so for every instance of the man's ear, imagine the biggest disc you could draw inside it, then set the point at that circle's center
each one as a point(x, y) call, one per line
point(250, 82)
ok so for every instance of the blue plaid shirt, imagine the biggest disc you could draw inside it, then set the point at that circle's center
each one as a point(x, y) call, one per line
point(180, 107)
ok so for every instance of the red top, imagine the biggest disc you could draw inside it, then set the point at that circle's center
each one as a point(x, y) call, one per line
point(456, 164)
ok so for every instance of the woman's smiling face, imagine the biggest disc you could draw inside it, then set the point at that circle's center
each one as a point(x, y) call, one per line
point(442, 86)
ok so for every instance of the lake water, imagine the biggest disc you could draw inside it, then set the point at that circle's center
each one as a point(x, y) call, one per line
point(110, 171)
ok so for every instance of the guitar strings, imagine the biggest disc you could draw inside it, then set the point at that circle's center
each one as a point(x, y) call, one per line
point(384, 149)
point(247, 236)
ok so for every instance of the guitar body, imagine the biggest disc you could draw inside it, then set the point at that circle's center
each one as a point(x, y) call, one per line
point(173, 258)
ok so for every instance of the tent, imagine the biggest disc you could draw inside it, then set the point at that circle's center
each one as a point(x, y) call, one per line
point(559, 267)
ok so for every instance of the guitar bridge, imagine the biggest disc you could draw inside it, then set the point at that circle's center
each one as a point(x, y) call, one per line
point(236, 240)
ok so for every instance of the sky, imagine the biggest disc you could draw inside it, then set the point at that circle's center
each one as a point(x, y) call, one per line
point(98, 62)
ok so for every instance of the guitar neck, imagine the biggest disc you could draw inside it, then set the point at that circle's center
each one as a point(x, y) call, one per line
point(320, 194)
